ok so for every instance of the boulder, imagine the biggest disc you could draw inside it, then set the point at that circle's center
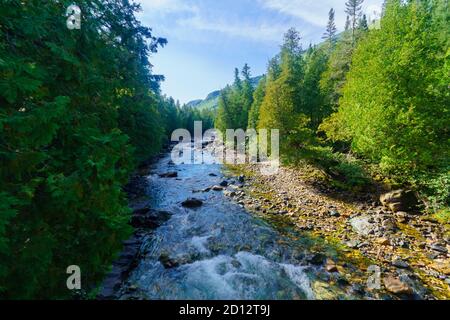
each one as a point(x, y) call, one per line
point(167, 262)
point(331, 266)
point(400, 200)
point(363, 225)
point(396, 286)
point(399, 263)
point(224, 183)
point(172, 174)
point(438, 248)
point(217, 188)
point(149, 219)
point(192, 203)
point(317, 259)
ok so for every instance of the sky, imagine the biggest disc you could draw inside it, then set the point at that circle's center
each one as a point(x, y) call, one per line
point(207, 39)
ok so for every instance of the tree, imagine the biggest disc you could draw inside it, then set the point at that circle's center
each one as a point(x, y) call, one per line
point(258, 97)
point(363, 25)
point(283, 100)
point(246, 97)
point(353, 9)
point(330, 33)
point(394, 109)
point(72, 106)
point(316, 62)
point(347, 23)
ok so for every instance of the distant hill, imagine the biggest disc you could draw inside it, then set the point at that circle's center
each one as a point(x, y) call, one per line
point(211, 102)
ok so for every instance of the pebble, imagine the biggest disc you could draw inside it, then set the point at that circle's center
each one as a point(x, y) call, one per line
point(438, 248)
point(353, 244)
point(400, 264)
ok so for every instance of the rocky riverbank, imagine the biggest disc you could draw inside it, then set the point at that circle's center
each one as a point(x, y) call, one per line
point(408, 248)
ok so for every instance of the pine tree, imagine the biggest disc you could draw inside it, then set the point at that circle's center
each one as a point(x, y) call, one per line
point(363, 24)
point(330, 33)
point(246, 97)
point(258, 97)
point(347, 23)
point(237, 79)
point(353, 9)
point(284, 101)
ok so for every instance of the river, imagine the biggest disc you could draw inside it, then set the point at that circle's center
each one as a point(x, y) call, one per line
point(219, 250)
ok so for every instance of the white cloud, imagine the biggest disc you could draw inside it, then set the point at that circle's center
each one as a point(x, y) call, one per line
point(165, 6)
point(261, 32)
point(316, 12)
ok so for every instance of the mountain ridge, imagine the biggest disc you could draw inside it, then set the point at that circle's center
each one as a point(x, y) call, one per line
point(211, 101)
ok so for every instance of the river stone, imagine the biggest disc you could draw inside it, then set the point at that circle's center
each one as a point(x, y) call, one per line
point(224, 183)
point(229, 193)
point(317, 259)
point(167, 262)
point(353, 244)
point(442, 266)
point(399, 263)
point(334, 213)
point(438, 248)
point(217, 188)
point(362, 225)
point(400, 200)
point(396, 286)
point(192, 203)
point(331, 266)
point(322, 291)
point(149, 219)
point(172, 174)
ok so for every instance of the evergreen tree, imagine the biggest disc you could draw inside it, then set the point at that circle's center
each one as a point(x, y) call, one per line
point(363, 24)
point(353, 9)
point(258, 97)
point(330, 33)
point(283, 100)
point(347, 23)
point(246, 97)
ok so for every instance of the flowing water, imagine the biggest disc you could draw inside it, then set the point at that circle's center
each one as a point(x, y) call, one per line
point(220, 250)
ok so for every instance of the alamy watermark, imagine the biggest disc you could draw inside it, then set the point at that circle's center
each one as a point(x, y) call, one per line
point(74, 17)
point(260, 147)
point(74, 280)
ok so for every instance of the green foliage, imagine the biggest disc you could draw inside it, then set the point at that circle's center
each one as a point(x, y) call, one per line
point(283, 102)
point(387, 87)
point(235, 102)
point(78, 109)
point(394, 108)
point(258, 98)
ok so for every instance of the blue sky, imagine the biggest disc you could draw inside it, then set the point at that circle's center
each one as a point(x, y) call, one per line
point(209, 38)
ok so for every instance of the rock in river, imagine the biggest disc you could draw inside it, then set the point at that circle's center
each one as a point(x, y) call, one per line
point(172, 174)
point(192, 203)
point(149, 219)
point(224, 183)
